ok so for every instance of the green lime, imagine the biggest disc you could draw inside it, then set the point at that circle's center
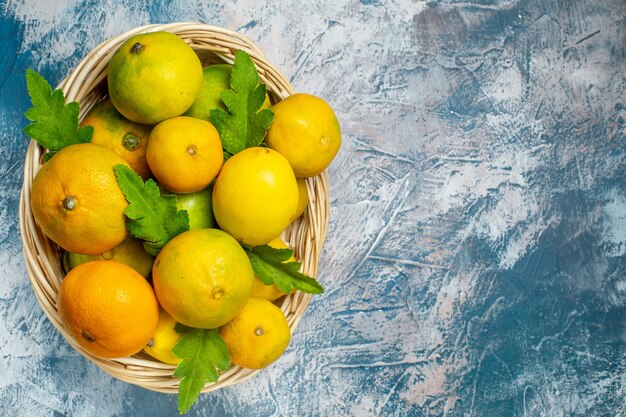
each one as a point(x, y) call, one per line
point(129, 252)
point(216, 79)
point(199, 208)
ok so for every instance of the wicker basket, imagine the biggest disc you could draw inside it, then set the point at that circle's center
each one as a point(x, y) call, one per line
point(87, 85)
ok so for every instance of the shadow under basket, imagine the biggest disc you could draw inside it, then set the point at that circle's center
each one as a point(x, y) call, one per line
point(87, 86)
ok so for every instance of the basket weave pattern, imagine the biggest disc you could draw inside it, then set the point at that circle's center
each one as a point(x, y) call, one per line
point(87, 86)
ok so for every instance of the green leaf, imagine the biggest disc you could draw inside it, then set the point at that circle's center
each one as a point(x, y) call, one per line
point(271, 267)
point(182, 329)
point(243, 126)
point(54, 124)
point(150, 216)
point(203, 353)
point(48, 155)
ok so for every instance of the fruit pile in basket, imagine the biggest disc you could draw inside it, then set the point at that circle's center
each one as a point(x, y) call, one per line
point(168, 201)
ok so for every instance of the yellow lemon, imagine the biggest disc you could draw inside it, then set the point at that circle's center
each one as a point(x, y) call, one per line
point(154, 76)
point(303, 197)
point(258, 335)
point(164, 339)
point(184, 154)
point(306, 131)
point(255, 196)
point(202, 278)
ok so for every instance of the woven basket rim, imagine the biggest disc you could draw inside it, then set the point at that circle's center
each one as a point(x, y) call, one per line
point(43, 258)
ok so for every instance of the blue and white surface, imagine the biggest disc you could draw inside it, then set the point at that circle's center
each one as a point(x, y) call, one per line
point(476, 259)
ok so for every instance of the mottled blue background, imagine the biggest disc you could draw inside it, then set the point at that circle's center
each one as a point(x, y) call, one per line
point(476, 259)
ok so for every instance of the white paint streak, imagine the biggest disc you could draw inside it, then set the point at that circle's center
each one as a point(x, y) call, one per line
point(43, 20)
point(615, 223)
point(428, 385)
point(506, 84)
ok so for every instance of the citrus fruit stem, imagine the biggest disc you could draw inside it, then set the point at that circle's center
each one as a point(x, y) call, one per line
point(137, 48)
point(69, 203)
point(130, 142)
